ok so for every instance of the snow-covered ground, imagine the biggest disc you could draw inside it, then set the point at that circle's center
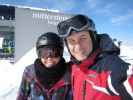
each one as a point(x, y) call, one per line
point(11, 74)
point(127, 53)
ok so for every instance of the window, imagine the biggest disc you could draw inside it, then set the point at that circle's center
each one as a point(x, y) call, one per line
point(7, 44)
point(7, 12)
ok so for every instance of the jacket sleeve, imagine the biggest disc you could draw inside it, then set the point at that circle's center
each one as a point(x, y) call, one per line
point(120, 82)
point(24, 88)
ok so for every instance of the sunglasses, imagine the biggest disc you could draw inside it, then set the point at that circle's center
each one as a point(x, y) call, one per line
point(47, 52)
point(77, 23)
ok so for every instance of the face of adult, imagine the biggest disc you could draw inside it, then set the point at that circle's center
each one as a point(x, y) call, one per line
point(50, 61)
point(79, 44)
point(49, 48)
point(50, 56)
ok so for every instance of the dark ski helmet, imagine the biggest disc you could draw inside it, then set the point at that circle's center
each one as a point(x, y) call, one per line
point(49, 40)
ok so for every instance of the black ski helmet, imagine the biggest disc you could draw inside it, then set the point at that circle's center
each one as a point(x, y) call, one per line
point(49, 39)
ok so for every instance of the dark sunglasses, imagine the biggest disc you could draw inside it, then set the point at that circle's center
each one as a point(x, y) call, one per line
point(49, 52)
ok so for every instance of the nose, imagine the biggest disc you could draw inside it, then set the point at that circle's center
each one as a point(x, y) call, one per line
point(77, 47)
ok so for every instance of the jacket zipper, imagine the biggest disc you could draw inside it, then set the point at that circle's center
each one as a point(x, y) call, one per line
point(84, 90)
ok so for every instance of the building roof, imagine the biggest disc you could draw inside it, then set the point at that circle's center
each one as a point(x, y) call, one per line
point(32, 8)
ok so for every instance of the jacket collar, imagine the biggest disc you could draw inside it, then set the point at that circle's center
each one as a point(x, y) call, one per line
point(84, 65)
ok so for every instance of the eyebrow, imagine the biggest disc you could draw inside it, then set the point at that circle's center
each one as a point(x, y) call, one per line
point(83, 35)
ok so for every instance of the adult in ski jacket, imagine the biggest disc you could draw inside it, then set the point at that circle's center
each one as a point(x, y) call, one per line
point(48, 78)
point(98, 73)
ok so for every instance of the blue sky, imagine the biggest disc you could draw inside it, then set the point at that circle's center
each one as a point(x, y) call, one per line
point(110, 16)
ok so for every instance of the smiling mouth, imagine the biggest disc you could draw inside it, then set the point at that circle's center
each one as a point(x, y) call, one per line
point(49, 62)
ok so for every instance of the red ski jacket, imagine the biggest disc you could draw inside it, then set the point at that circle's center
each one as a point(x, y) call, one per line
point(103, 76)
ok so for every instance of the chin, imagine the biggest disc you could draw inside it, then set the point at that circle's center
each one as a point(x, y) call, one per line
point(81, 58)
point(49, 65)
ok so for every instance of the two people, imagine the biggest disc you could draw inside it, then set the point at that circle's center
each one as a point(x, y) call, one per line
point(97, 72)
point(48, 78)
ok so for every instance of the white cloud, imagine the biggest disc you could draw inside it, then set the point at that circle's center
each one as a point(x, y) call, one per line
point(93, 3)
point(123, 18)
point(63, 5)
point(106, 10)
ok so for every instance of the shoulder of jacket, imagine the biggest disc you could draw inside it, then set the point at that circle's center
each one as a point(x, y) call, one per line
point(112, 63)
point(115, 60)
point(29, 72)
